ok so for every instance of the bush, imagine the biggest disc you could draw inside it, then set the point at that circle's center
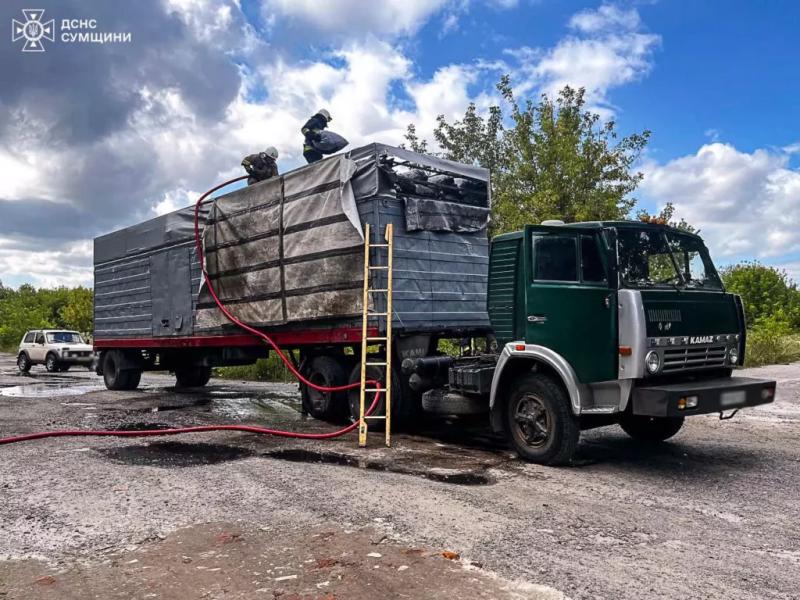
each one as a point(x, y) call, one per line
point(766, 292)
point(770, 341)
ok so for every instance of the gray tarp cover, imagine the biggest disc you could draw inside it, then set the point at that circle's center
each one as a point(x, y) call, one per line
point(287, 249)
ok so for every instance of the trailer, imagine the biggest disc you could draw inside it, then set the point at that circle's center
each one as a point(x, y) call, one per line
point(553, 329)
point(286, 256)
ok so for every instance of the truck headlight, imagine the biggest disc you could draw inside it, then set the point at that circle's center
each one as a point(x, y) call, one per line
point(653, 362)
point(733, 355)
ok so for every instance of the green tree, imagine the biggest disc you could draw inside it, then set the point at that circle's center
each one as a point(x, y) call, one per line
point(553, 159)
point(78, 312)
point(767, 293)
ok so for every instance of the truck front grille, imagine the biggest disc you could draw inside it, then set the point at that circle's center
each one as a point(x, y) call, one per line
point(693, 357)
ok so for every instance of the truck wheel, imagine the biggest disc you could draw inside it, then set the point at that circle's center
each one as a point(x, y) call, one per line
point(23, 362)
point(651, 429)
point(192, 377)
point(541, 426)
point(328, 372)
point(51, 363)
point(116, 378)
point(400, 415)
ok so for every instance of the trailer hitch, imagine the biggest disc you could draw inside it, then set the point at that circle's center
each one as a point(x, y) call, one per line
point(722, 416)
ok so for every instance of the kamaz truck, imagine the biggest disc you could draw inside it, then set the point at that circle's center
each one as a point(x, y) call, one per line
point(546, 331)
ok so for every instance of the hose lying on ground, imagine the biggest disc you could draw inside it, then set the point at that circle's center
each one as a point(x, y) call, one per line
point(202, 428)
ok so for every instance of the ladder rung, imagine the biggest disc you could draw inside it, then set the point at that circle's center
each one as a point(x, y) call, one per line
point(372, 339)
point(374, 417)
point(383, 314)
point(374, 389)
point(379, 245)
point(375, 364)
point(378, 290)
point(378, 267)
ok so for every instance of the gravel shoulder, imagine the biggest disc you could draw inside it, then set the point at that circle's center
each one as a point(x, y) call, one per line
point(712, 514)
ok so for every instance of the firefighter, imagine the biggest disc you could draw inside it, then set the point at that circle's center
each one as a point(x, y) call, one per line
point(311, 131)
point(261, 166)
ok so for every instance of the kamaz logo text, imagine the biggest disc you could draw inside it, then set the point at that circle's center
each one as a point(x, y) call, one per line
point(703, 339)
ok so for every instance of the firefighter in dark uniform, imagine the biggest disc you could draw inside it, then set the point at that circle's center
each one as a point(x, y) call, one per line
point(261, 166)
point(311, 131)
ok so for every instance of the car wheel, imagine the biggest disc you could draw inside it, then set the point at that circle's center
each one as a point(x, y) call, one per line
point(23, 362)
point(651, 429)
point(539, 421)
point(51, 363)
point(64, 368)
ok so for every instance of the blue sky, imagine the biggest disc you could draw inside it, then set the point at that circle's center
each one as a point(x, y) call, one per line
point(139, 129)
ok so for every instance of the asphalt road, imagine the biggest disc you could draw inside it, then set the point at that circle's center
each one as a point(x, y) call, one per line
point(712, 514)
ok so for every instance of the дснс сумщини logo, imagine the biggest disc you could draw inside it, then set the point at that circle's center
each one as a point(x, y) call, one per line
point(33, 30)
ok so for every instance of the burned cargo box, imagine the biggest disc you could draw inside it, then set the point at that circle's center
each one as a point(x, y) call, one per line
point(287, 253)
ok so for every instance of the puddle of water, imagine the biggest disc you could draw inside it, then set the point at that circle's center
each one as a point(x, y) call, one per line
point(48, 390)
point(284, 407)
point(175, 454)
point(453, 476)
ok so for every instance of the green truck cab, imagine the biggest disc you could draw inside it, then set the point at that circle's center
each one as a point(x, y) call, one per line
point(600, 323)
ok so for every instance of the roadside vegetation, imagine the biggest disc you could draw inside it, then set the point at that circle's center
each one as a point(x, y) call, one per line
point(264, 369)
point(30, 308)
point(772, 307)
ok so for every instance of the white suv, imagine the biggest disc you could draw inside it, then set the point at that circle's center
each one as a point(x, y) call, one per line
point(56, 349)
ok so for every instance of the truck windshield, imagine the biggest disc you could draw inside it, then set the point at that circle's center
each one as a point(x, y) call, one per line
point(655, 258)
point(64, 337)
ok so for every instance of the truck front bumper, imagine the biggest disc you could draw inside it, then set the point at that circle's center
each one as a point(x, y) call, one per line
point(701, 397)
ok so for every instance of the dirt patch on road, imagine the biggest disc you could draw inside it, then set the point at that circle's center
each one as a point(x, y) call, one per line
point(224, 560)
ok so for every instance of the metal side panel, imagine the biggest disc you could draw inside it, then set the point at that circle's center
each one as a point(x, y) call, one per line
point(170, 278)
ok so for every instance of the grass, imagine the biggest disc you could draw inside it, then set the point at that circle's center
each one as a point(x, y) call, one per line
point(264, 369)
point(764, 348)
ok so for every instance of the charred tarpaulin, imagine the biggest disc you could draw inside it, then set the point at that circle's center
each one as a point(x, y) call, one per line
point(287, 252)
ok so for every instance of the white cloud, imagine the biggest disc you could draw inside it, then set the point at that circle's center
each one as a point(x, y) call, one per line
point(607, 17)
point(607, 51)
point(70, 265)
point(746, 204)
point(356, 17)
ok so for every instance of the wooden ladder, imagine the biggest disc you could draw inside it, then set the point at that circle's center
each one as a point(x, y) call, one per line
point(367, 394)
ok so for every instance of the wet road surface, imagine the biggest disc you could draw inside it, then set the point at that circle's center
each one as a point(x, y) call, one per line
point(712, 514)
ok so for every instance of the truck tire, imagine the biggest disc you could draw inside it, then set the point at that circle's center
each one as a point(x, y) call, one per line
point(51, 363)
point(326, 371)
point(23, 362)
point(651, 429)
point(399, 412)
point(192, 377)
point(116, 378)
point(539, 421)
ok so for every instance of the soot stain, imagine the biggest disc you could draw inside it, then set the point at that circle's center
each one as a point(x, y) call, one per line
point(333, 458)
point(175, 454)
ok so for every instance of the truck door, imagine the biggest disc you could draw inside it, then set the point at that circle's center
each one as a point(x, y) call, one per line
point(571, 301)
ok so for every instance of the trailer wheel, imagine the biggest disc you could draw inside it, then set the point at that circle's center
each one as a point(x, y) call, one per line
point(400, 416)
point(539, 421)
point(117, 378)
point(326, 371)
point(192, 377)
point(651, 429)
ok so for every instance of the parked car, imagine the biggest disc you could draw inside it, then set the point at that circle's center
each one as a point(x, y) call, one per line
point(56, 349)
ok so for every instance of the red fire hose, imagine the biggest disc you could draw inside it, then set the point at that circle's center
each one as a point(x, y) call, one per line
point(201, 428)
